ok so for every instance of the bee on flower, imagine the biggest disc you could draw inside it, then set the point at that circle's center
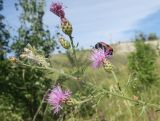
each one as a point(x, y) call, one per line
point(100, 55)
point(97, 57)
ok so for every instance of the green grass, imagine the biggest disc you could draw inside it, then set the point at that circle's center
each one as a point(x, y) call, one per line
point(113, 108)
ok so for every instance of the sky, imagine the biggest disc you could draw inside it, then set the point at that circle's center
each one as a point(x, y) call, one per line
point(110, 21)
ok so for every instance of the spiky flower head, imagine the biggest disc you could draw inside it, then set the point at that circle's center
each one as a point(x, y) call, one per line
point(66, 27)
point(107, 65)
point(58, 9)
point(57, 97)
point(97, 57)
point(64, 43)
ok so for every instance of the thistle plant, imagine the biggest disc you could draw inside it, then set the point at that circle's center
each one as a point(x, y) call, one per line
point(77, 100)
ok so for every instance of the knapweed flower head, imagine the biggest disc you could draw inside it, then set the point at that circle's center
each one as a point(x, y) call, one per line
point(58, 9)
point(97, 57)
point(57, 97)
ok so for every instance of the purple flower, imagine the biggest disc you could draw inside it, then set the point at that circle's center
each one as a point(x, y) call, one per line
point(57, 97)
point(57, 9)
point(97, 57)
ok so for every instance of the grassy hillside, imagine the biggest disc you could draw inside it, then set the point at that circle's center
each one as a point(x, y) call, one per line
point(113, 108)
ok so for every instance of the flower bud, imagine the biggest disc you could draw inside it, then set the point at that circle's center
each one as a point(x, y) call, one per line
point(64, 43)
point(66, 27)
point(107, 65)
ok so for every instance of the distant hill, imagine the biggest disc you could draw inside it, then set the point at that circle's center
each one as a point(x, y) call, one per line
point(127, 47)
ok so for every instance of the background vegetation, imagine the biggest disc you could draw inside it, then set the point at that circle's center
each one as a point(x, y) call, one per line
point(22, 90)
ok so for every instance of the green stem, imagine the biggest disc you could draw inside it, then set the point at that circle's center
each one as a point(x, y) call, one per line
point(50, 69)
point(117, 82)
point(90, 98)
point(45, 111)
point(36, 114)
point(73, 48)
point(119, 87)
point(40, 106)
point(132, 100)
point(122, 97)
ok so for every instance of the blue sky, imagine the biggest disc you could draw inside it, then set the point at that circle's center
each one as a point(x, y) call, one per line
point(99, 20)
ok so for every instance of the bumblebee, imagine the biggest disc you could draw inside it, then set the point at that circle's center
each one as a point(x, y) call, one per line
point(107, 48)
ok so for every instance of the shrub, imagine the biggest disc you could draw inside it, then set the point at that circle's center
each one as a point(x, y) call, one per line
point(142, 66)
point(152, 36)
